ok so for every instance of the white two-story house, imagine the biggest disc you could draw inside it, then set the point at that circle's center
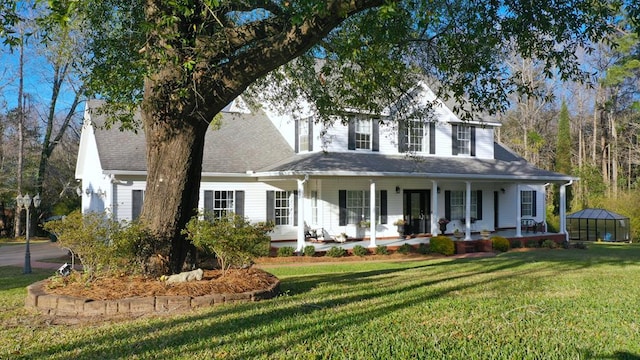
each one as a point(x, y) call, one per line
point(304, 175)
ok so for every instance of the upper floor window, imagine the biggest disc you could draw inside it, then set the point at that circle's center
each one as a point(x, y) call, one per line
point(463, 140)
point(304, 135)
point(416, 136)
point(363, 134)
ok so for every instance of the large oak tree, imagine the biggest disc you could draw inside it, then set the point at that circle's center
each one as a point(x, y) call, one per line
point(182, 61)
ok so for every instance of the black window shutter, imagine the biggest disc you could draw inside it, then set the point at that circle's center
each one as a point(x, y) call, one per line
point(295, 208)
point(454, 139)
point(375, 141)
point(447, 204)
point(352, 134)
point(208, 200)
point(297, 135)
point(239, 202)
point(534, 198)
point(271, 211)
point(479, 204)
point(432, 138)
point(342, 203)
point(137, 198)
point(521, 204)
point(310, 134)
point(383, 206)
point(473, 141)
point(402, 136)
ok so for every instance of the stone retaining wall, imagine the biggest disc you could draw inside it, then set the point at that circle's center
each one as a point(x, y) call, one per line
point(67, 306)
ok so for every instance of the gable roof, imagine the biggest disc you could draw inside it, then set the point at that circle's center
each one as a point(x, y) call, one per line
point(244, 142)
point(505, 166)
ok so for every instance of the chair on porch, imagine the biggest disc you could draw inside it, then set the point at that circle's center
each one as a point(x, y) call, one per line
point(314, 234)
point(528, 225)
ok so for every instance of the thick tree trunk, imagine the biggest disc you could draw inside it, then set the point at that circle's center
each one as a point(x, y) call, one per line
point(174, 164)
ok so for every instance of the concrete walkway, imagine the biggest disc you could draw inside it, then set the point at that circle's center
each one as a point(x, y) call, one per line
point(13, 254)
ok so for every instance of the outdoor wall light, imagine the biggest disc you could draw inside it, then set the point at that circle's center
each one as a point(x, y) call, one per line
point(397, 189)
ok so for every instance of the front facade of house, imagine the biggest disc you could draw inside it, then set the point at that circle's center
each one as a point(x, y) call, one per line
point(357, 178)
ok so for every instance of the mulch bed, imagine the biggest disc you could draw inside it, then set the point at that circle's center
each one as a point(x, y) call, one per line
point(120, 287)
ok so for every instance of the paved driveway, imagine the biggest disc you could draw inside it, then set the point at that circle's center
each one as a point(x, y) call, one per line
point(13, 254)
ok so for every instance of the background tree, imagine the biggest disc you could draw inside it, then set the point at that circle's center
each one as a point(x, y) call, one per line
point(564, 154)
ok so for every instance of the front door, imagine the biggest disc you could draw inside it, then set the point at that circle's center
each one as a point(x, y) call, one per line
point(417, 207)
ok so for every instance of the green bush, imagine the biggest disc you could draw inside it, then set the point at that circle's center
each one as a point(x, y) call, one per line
point(442, 245)
point(516, 244)
point(533, 244)
point(286, 251)
point(233, 239)
point(89, 237)
point(360, 250)
point(500, 243)
point(382, 250)
point(405, 249)
point(336, 252)
point(580, 245)
point(549, 244)
point(309, 250)
point(423, 249)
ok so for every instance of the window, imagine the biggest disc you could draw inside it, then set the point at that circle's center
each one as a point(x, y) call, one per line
point(282, 208)
point(528, 203)
point(219, 203)
point(359, 205)
point(314, 207)
point(363, 134)
point(464, 140)
point(137, 199)
point(303, 135)
point(416, 136)
point(456, 206)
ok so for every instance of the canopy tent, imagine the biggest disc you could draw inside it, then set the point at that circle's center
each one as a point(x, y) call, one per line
point(598, 224)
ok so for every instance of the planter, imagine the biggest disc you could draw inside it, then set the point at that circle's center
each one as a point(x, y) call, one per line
point(400, 229)
point(443, 228)
point(485, 234)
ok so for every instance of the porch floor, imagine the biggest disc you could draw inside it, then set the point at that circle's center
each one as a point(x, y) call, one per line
point(507, 233)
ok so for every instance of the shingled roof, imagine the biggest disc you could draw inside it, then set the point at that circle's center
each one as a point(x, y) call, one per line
point(243, 143)
point(506, 166)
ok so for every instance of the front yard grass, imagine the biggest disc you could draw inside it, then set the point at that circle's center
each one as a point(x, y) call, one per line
point(542, 304)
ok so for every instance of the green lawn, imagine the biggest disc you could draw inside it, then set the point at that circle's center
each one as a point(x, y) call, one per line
point(545, 304)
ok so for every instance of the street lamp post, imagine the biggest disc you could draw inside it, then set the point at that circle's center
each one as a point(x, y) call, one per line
point(25, 202)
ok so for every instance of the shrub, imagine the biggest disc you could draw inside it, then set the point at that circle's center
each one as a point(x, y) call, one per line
point(516, 244)
point(286, 251)
point(549, 244)
point(233, 239)
point(309, 250)
point(89, 237)
point(423, 248)
point(336, 252)
point(360, 250)
point(500, 243)
point(382, 250)
point(405, 249)
point(532, 244)
point(442, 245)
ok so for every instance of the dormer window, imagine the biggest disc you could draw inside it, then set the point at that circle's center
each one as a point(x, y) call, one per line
point(304, 135)
point(416, 136)
point(363, 134)
point(463, 140)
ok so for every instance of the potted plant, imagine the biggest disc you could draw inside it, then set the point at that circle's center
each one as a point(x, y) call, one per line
point(443, 225)
point(400, 223)
point(364, 224)
point(457, 234)
point(485, 233)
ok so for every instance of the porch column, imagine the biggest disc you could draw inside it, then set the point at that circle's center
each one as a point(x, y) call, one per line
point(435, 228)
point(467, 212)
point(372, 214)
point(301, 225)
point(518, 215)
point(563, 210)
